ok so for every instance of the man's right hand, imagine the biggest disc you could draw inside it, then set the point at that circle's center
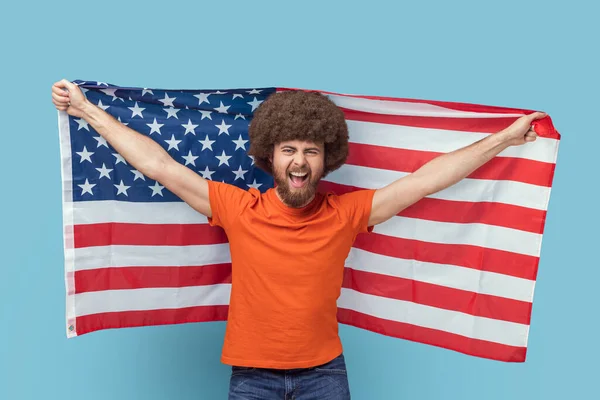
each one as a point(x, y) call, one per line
point(68, 97)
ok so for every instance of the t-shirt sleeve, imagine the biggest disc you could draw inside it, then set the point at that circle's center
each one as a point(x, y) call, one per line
point(357, 206)
point(227, 202)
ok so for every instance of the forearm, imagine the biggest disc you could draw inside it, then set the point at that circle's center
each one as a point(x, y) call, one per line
point(448, 169)
point(140, 151)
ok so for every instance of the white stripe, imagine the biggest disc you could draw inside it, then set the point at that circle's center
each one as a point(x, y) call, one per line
point(441, 141)
point(138, 256)
point(450, 276)
point(96, 212)
point(64, 133)
point(497, 331)
point(399, 107)
point(489, 236)
point(476, 190)
point(151, 299)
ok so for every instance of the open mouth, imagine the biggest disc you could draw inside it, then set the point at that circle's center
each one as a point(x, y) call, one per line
point(298, 179)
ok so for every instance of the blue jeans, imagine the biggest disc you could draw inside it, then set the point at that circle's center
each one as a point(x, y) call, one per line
point(324, 382)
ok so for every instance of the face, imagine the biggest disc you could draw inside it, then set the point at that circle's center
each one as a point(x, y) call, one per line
point(297, 168)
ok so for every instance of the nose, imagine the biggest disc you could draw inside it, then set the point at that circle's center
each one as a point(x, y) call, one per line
point(299, 159)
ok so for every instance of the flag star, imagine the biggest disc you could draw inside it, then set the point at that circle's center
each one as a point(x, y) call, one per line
point(219, 92)
point(223, 159)
point(167, 101)
point(119, 159)
point(239, 144)
point(137, 110)
point(206, 114)
point(207, 174)
point(173, 143)
point(85, 155)
point(87, 187)
point(222, 108)
point(101, 83)
point(236, 95)
point(190, 159)
point(223, 128)
point(239, 174)
point(156, 189)
point(202, 97)
point(254, 103)
point(102, 106)
point(171, 112)
point(111, 92)
point(137, 175)
point(207, 143)
point(101, 141)
point(254, 91)
point(255, 185)
point(124, 123)
point(189, 127)
point(251, 158)
point(146, 90)
point(155, 127)
point(240, 116)
point(84, 90)
point(122, 189)
point(82, 124)
point(104, 172)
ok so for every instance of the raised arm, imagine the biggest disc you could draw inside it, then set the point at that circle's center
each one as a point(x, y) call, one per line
point(143, 153)
point(448, 169)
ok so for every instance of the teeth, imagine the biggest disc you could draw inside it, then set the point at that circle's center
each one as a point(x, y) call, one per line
point(300, 174)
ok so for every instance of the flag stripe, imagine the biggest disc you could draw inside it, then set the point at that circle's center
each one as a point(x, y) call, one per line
point(498, 168)
point(477, 304)
point(130, 278)
point(435, 337)
point(499, 214)
point(121, 278)
point(474, 190)
point(151, 299)
point(398, 227)
point(447, 275)
point(153, 256)
point(129, 319)
point(441, 141)
point(177, 275)
point(115, 233)
point(504, 332)
point(479, 258)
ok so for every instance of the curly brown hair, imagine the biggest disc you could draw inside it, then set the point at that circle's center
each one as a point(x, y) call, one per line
point(298, 115)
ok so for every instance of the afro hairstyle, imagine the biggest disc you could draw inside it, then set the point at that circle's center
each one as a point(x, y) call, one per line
point(298, 115)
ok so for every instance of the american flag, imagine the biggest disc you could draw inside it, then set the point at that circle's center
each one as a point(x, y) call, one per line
point(456, 270)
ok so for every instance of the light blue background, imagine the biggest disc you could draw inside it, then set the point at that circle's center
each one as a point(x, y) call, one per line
point(532, 55)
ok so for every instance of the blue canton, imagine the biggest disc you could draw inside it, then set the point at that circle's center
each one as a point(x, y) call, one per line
point(207, 131)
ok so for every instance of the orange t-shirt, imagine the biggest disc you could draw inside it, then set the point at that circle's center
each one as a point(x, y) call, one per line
point(287, 270)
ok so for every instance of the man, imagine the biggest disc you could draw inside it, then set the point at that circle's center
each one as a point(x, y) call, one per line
point(288, 245)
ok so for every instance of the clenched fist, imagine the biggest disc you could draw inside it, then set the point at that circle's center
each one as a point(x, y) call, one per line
point(68, 97)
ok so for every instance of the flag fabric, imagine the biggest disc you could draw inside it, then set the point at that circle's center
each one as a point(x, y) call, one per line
point(456, 270)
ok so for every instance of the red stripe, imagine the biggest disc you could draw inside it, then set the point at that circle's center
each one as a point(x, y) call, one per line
point(481, 305)
point(469, 256)
point(150, 277)
point(465, 212)
point(482, 125)
point(129, 319)
point(116, 233)
point(498, 168)
point(451, 341)
point(544, 127)
point(479, 258)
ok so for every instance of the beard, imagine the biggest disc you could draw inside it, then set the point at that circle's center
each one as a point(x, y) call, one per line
point(291, 196)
